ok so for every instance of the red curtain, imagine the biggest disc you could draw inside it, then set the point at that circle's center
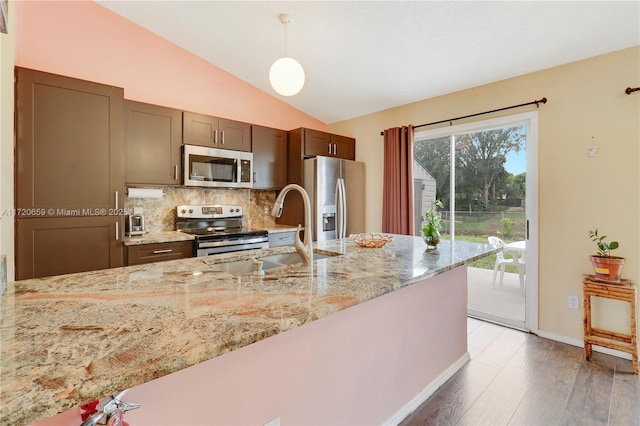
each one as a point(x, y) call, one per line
point(397, 197)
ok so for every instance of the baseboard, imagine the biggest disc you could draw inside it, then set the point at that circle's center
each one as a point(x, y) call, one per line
point(580, 343)
point(411, 406)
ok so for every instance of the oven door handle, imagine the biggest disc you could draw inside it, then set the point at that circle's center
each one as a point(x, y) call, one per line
point(232, 243)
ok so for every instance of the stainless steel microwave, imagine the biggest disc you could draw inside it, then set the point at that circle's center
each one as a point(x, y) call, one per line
point(218, 168)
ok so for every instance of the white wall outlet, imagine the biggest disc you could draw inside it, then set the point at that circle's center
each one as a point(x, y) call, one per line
point(138, 210)
point(574, 302)
point(273, 422)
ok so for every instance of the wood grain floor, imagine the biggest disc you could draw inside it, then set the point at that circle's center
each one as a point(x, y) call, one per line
point(516, 378)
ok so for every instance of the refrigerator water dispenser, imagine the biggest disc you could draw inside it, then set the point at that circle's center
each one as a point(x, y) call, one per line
point(328, 221)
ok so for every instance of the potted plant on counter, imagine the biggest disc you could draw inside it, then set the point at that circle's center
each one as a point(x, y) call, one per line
point(606, 267)
point(431, 228)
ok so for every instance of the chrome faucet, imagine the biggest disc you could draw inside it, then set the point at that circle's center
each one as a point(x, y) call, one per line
point(304, 250)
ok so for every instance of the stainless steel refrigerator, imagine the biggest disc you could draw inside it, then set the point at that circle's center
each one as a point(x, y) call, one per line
point(337, 195)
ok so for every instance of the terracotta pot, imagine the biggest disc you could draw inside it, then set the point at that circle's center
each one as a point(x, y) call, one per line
point(608, 268)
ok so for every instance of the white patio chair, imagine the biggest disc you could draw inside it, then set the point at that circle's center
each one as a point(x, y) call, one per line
point(502, 261)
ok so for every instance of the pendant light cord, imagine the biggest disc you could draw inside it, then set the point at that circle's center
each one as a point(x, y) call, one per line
point(285, 39)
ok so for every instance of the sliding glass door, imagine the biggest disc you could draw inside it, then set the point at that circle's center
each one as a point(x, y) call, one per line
point(483, 174)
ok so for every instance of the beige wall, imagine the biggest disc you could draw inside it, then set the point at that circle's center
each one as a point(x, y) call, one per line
point(587, 105)
point(6, 143)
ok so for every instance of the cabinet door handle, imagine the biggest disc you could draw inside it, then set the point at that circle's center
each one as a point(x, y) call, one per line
point(254, 177)
point(117, 231)
point(116, 201)
point(222, 136)
point(162, 251)
point(329, 149)
point(215, 137)
point(175, 172)
point(334, 149)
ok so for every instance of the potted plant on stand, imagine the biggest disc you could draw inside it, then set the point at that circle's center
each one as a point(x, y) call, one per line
point(431, 228)
point(606, 267)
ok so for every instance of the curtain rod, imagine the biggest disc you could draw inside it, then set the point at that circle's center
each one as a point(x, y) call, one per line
point(630, 90)
point(536, 103)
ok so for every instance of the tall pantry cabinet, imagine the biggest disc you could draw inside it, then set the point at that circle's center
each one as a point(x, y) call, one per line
point(69, 175)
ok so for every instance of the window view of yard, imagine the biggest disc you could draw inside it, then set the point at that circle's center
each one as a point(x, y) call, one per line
point(477, 179)
point(489, 185)
point(508, 225)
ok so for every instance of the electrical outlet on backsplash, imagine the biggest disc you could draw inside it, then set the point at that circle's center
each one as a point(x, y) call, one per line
point(160, 213)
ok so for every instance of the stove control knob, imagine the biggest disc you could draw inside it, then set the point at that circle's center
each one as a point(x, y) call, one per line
point(183, 211)
point(190, 211)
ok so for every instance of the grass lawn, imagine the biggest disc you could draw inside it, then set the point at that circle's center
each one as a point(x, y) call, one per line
point(477, 227)
point(486, 262)
point(489, 224)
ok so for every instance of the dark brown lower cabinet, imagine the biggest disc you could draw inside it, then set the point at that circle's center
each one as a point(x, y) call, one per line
point(55, 246)
point(158, 252)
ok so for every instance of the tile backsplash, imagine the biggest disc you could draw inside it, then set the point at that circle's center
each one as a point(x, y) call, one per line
point(160, 213)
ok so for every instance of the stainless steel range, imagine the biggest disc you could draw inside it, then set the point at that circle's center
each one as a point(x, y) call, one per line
point(218, 229)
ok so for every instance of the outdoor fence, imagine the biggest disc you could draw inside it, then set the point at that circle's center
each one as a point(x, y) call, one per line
point(508, 225)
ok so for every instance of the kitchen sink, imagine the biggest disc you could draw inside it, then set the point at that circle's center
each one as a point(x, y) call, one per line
point(290, 258)
point(240, 267)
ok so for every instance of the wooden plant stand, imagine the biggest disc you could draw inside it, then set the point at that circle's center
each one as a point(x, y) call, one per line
point(624, 291)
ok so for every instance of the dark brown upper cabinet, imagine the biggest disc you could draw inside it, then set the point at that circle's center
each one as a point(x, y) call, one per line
point(205, 130)
point(305, 143)
point(326, 144)
point(316, 143)
point(153, 137)
point(269, 147)
point(343, 147)
point(69, 175)
point(69, 150)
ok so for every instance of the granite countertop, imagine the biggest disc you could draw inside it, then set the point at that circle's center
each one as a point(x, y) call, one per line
point(157, 237)
point(70, 339)
point(272, 229)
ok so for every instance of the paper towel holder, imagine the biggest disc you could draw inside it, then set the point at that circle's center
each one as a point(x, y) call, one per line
point(145, 193)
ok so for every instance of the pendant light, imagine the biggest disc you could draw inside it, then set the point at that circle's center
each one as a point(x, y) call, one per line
point(286, 74)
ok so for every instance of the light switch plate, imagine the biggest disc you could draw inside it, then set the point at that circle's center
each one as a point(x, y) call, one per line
point(138, 210)
point(574, 302)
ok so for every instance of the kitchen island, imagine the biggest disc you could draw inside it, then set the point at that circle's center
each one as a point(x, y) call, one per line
point(70, 339)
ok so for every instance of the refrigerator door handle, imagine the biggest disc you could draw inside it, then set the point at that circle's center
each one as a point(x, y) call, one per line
point(338, 209)
point(345, 208)
point(338, 204)
point(342, 208)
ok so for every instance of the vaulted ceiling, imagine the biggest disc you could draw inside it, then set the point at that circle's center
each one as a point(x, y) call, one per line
point(365, 56)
